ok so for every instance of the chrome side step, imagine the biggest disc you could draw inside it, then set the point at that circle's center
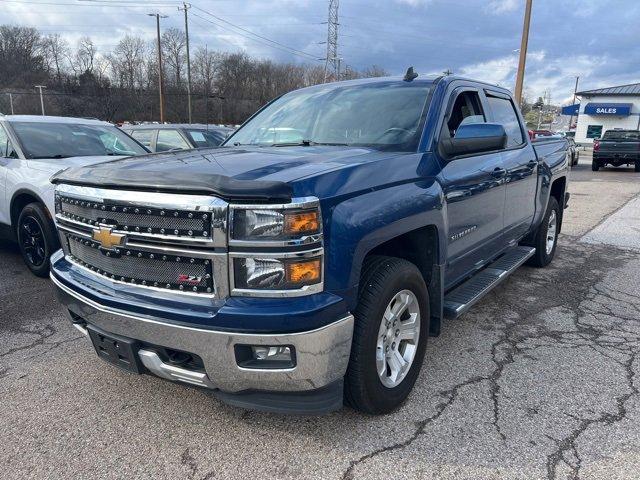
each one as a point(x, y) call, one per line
point(463, 297)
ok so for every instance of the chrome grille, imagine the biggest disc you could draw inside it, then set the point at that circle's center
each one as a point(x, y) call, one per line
point(142, 267)
point(181, 223)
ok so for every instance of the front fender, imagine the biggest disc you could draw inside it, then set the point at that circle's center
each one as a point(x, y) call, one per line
point(359, 224)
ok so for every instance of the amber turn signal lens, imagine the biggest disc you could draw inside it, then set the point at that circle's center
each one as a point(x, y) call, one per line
point(302, 222)
point(303, 272)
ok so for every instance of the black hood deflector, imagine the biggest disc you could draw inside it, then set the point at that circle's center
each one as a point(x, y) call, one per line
point(176, 182)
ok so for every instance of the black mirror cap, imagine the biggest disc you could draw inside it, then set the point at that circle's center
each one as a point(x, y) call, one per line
point(475, 138)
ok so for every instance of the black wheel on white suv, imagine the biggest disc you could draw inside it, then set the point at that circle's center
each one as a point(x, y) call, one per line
point(36, 238)
point(390, 335)
point(545, 239)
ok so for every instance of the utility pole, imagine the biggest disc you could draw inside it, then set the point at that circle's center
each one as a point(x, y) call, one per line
point(575, 90)
point(187, 6)
point(40, 87)
point(523, 53)
point(332, 61)
point(160, 74)
point(11, 102)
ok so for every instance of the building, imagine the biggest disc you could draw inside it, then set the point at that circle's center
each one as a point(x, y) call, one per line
point(604, 109)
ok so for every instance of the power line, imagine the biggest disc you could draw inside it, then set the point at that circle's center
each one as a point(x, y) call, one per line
point(258, 37)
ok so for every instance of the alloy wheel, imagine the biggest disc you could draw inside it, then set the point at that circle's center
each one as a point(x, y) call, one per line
point(398, 337)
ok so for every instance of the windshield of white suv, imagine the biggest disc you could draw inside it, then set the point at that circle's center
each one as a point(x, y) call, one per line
point(62, 140)
point(385, 115)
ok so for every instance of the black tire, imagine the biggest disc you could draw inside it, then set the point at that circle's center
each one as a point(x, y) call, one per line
point(36, 238)
point(637, 166)
point(382, 278)
point(542, 258)
point(595, 166)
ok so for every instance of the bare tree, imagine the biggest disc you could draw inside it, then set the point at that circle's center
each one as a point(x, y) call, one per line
point(174, 44)
point(84, 58)
point(374, 71)
point(56, 50)
point(128, 62)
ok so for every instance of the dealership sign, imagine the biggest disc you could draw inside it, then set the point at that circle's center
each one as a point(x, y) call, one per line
point(620, 109)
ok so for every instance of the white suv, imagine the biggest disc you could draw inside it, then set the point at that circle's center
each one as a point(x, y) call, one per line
point(32, 149)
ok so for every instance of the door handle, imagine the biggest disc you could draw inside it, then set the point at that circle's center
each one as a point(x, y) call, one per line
point(498, 172)
point(532, 164)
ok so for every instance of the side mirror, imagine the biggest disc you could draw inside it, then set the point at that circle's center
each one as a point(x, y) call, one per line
point(475, 138)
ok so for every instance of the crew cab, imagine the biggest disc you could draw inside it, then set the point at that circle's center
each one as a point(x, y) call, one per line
point(617, 147)
point(32, 149)
point(297, 275)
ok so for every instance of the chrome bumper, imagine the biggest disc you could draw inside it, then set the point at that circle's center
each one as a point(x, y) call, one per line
point(322, 355)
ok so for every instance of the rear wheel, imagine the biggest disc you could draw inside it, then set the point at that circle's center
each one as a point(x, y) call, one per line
point(546, 236)
point(637, 166)
point(36, 238)
point(595, 166)
point(390, 335)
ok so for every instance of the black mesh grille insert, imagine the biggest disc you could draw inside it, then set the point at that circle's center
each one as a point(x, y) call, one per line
point(143, 268)
point(139, 219)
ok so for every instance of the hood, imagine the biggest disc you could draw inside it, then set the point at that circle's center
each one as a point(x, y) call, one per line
point(56, 164)
point(260, 173)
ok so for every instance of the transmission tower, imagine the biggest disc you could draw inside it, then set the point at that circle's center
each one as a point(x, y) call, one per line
point(332, 63)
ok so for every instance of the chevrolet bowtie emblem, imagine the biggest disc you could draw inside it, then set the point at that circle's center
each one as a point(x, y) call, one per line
point(106, 237)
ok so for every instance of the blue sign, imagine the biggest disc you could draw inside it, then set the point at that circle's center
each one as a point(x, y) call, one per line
point(571, 110)
point(608, 109)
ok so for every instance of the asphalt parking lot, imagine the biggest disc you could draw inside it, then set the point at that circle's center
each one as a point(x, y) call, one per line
point(540, 380)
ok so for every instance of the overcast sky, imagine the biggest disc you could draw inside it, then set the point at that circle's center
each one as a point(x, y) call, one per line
point(595, 39)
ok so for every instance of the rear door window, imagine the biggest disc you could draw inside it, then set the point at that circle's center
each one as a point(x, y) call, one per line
point(505, 114)
point(143, 136)
point(170, 140)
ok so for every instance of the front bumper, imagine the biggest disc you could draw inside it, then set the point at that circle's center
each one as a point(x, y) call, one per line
point(322, 354)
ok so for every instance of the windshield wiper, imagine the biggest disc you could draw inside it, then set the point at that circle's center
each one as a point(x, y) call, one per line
point(43, 157)
point(308, 143)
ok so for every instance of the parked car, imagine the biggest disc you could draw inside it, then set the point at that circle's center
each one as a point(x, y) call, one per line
point(616, 148)
point(33, 148)
point(573, 151)
point(168, 137)
point(291, 276)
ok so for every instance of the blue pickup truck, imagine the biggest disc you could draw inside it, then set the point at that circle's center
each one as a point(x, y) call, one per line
point(304, 263)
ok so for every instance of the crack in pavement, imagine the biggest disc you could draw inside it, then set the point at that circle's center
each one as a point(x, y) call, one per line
point(519, 334)
point(421, 425)
point(190, 463)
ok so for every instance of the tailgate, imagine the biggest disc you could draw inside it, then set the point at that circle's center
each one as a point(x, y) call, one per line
point(619, 146)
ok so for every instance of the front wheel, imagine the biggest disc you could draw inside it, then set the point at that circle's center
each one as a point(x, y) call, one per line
point(36, 238)
point(390, 335)
point(546, 236)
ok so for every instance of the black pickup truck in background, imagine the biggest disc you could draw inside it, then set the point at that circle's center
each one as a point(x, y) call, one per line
point(617, 147)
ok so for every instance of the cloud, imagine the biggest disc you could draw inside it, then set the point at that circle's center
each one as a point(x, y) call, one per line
point(503, 6)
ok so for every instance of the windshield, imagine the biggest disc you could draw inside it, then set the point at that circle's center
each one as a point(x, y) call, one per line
point(621, 135)
point(62, 140)
point(380, 115)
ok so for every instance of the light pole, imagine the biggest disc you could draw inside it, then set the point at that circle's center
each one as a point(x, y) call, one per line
point(11, 102)
point(40, 87)
point(523, 52)
point(160, 74)
point(187, 6)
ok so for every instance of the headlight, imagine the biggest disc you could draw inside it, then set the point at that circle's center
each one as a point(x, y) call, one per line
point(276, 250)
point(276, 274)
point(267, 224)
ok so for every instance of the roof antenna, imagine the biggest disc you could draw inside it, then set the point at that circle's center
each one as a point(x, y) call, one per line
point(410, 75)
